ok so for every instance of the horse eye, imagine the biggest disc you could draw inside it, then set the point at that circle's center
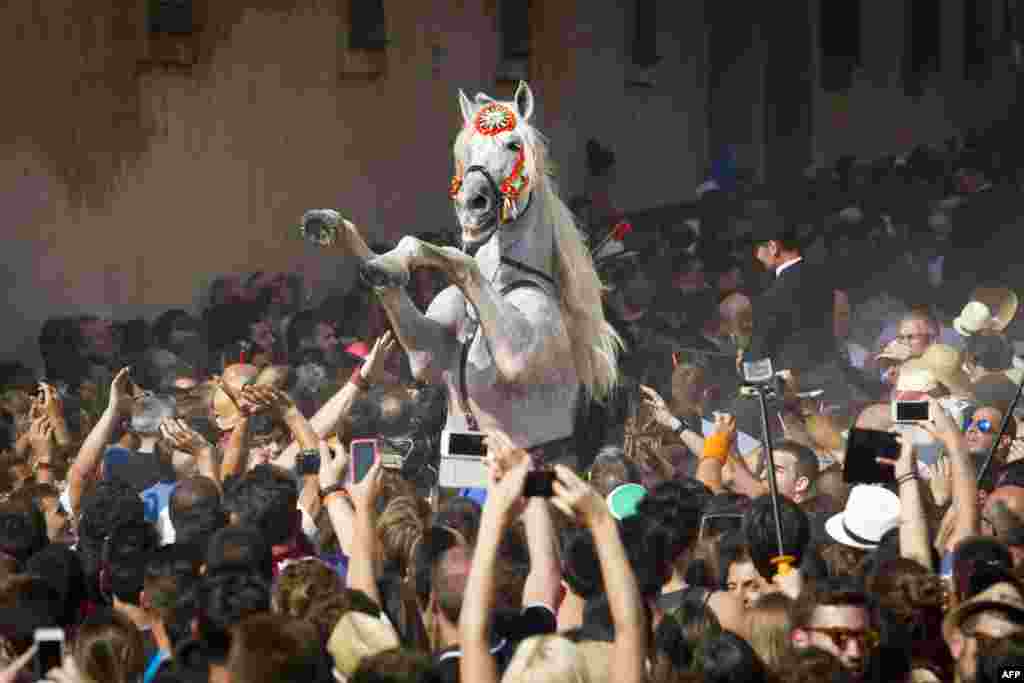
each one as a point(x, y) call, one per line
point(514, 146)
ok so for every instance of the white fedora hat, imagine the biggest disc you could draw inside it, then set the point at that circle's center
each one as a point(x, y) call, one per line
point(870, 512)
point(976, 317)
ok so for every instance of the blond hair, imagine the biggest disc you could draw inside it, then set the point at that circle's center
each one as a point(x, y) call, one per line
point(769, 628)
point(555, 659)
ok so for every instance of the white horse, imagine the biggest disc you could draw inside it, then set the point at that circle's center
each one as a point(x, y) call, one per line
point(521, 327)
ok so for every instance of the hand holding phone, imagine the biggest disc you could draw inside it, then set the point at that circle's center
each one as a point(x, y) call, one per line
point(463, 460)
point(864, 448)
point(364, 453)
point(911, 411)
point(539, 484)
point(49, 651)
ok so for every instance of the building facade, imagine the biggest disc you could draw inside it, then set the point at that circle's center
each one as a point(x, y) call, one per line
point(151, 145)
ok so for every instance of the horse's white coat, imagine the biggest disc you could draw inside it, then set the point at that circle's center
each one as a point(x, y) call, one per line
point(535, 347)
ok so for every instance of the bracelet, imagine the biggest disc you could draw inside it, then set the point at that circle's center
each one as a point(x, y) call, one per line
point(358, 380)
point(910, 476)
point(717, 447)
point(330, 490)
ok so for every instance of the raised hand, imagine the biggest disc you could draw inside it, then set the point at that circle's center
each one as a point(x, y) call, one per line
point(121, 395)
point(41, 436)
point(1016, 451)
point(907, 461)
point(183, 437)
point(331, 465)
point(364, 494)
point(505, 497)
point(373, 370)
point(10, 674)
point(651, 398)
point(577, 499)
point(941, 481)
point(53, 406)
point(259, 398)
point(726, 424)
point(502, 456)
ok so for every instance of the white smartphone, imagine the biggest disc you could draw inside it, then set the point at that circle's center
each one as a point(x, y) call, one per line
point(463, 463)
point(50, 651)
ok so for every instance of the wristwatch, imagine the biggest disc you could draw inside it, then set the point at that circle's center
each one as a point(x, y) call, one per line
point(686, 426)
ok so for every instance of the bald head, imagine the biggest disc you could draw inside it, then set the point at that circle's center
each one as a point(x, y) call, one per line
point(734, 307)
point(877, 416)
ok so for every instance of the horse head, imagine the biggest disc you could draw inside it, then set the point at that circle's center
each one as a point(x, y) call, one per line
point(497, 166)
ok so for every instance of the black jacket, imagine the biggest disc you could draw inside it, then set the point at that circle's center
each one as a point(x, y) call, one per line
point(793, 319)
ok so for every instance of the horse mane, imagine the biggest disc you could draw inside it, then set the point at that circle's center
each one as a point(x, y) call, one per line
point(595, 343)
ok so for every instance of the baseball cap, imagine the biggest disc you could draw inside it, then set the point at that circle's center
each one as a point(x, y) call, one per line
point(624, 499)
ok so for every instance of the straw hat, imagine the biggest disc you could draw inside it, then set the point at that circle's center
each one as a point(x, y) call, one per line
point(1003, 597)
point(916, 376)
point(1001, 301)
point(358, 635)
point(895, 351)
point(946, 365)
point(976, 317)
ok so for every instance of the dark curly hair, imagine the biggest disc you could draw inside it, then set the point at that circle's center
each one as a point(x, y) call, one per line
point(265, 498)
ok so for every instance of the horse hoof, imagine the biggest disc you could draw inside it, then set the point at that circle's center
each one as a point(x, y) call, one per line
point(375, 274)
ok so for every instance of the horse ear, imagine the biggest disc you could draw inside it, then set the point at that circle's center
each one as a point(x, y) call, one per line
point(524, 101)
point(468, 108)
point(481, 98)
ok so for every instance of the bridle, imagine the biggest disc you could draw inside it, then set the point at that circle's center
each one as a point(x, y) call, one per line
point(492, 120)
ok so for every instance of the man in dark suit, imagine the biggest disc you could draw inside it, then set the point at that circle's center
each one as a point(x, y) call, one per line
point(793, 318)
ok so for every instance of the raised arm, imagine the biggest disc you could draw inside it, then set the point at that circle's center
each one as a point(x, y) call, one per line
point(335, 498)
point(577, 499)
point(90, 455)
point(964, 484)
point(362, 565)
point(326, 420)
point(504, 500)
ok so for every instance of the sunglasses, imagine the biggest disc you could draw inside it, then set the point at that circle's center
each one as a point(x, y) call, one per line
point(984, 426)
point(841, 637)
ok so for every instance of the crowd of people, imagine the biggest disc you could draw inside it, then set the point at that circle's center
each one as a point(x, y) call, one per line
point(178, 500)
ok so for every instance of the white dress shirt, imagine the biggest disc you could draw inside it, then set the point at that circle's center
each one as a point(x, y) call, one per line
point(787, 264)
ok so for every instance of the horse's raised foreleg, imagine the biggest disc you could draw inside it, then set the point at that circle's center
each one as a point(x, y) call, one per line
point(429, 343)
point(524, 331)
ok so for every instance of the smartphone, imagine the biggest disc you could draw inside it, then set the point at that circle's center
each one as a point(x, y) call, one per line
point(911, 411)
point(307, 464)
point(364, 455)
point(463, 463)
point(539, 484)
point(863, 448)
point(50, 652)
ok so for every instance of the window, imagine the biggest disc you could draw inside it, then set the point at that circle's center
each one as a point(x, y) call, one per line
point(169, 16)
point(645, 33)
point(514, 34)
point(977, 39)
point(367, 25)
point(922, 52)
point(839, 35)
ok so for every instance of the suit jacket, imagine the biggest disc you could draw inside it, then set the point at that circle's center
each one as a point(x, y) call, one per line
point(793, 319)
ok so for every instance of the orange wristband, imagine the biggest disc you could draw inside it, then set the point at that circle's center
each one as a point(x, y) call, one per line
point(717, 447)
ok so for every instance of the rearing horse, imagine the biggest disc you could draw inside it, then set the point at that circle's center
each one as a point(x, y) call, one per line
point(521, 327)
